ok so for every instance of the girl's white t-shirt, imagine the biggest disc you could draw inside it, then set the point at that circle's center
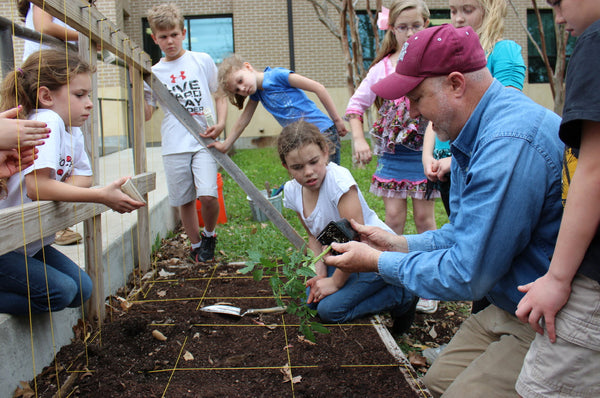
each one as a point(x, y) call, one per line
point(63, 152)
point(338, 180)
point(31, 46)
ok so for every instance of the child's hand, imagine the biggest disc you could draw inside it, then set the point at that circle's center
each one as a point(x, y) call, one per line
point(341, 127)
point(362, 152)
point(26, 133)
point(321, 288)
point(117, 200)
point(213, 131)
point(221, 146)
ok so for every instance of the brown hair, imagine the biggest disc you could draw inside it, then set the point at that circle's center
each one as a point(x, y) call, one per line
point(165, 16)
point(299, 134)
point(50, 68)
point(230, 65)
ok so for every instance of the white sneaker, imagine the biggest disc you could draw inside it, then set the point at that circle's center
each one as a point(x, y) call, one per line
point(427, 306)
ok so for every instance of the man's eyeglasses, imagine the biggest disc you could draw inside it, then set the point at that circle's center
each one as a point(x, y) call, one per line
point(405, 29)
point(554, 3)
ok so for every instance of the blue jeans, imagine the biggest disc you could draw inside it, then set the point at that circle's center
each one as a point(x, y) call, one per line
point(68, 285)
point(332, 135)
point(364, 294)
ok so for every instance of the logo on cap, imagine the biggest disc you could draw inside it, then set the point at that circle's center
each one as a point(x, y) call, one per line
point(403, 51)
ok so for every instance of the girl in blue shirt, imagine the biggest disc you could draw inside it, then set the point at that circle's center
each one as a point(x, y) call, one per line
point(281, 91)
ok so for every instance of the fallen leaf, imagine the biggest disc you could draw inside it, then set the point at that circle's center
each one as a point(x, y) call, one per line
point(416, 360)
point(161, 293)
point(297, 379)
point(287, 373)
point(24, 391)
point(253, 231)
point(196, 335)
point(188, 356)
point(433, 333)
point(173, 261)
point(288, 346)
point(210, 360)
point(163, 274)
point(264, 225)
point(222, 252)
point(303, 339)
point(158, 335)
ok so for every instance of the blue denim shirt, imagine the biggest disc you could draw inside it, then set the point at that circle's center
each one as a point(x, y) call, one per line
point(505, 202)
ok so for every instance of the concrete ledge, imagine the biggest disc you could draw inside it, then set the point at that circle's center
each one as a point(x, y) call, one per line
point(119, 241)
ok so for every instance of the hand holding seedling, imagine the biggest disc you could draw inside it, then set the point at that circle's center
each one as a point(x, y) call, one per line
point(354, 257)
point(379, 239)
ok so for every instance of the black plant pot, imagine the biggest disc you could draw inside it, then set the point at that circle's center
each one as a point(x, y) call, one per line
point(337, 231)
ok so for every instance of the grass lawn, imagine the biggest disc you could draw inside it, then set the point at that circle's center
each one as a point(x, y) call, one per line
point(241, 233)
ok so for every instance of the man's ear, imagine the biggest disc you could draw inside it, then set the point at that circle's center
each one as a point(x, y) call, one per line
point(45, 97)
point(457, 83)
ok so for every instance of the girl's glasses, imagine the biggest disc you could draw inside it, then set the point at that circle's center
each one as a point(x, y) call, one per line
point(404, 29)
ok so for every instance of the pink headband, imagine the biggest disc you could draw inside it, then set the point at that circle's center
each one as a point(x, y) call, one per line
point(382, 19)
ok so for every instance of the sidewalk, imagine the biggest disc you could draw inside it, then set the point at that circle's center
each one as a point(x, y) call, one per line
point(119, 240)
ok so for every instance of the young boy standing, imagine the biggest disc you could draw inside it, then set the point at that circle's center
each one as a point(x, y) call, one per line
point(565, 362)
point(190, 169)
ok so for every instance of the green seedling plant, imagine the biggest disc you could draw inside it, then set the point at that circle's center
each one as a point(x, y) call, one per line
point(287, 278)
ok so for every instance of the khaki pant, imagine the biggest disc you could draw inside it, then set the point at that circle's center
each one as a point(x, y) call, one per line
point(483, 359)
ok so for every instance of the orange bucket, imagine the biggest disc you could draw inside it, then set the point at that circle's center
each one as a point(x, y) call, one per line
point(222, 219)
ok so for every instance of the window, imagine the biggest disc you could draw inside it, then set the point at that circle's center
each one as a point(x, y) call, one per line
point(536, 68)
point(367, 39)
point(209, 34)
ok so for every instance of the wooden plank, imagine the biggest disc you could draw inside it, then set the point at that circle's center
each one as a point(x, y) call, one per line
point(165, 97)
point(91, 22)
point(409, 373)
point(49, 217)
point(92, 227)
point(139, 162)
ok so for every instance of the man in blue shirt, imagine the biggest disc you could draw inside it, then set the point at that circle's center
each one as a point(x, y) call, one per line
point(505, 202)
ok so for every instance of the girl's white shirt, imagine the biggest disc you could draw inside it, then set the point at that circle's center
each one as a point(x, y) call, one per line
point(63, 152)
point(338, 180)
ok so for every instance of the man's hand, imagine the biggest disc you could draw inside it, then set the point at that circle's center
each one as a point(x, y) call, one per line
point(354, 257)
point(379, 238)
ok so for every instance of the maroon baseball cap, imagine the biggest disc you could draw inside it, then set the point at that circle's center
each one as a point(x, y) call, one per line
point(436, 51)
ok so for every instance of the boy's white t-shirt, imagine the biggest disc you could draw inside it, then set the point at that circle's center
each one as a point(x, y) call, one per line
point(191, 78)
point(338, 180)
point(62, 152)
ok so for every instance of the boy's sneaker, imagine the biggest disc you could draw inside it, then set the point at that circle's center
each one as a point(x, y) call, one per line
point(427, 306)
point(403, 319)
point(206, 251)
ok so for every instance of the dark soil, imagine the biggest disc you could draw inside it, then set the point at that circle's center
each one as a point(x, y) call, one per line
point(211, 355)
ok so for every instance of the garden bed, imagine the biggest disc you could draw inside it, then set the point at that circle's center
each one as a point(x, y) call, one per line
point(211, 355)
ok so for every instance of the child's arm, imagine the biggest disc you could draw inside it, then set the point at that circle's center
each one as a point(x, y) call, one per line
point(306, 84)
point(41, 186)
point(361, 148)
point(42, 22)
point(214, 131)
point(238, 127)
point(348, 207)
point(427, 155)
point(581, 218)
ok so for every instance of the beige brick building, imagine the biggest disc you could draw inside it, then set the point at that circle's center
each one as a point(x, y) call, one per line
point(284, 33)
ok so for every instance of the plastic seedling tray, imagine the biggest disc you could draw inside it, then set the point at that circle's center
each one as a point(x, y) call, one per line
point(337, 231)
